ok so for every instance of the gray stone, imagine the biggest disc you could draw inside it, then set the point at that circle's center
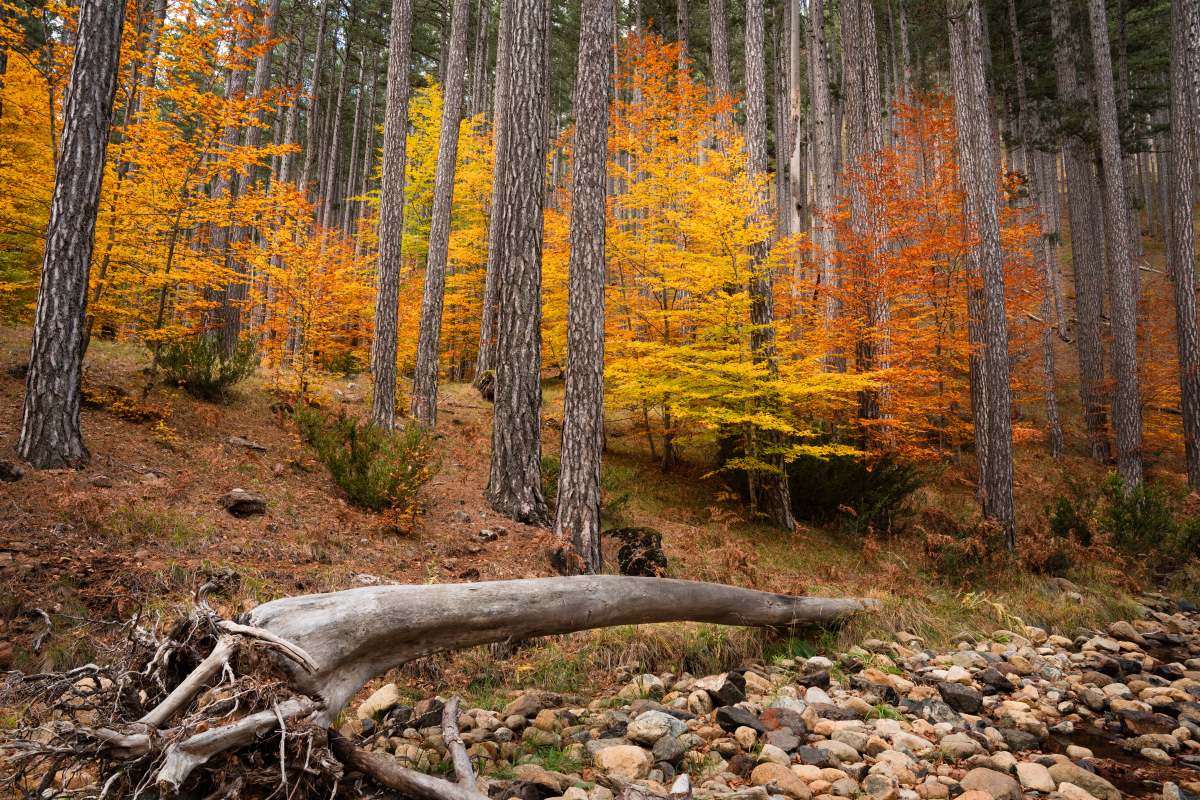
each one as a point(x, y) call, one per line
point(997, 784)
point(730, 718)
point(1067, 772)
point(961, 697)
point(241, 503)
point(651, 726)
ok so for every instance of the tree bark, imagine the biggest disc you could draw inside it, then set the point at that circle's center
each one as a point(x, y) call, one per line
point(823, 175)
point(1181, 249)
point(485, 363)
point(314, 103)
point(578, 512)
point(682, 31)
point(978, 165)
point(352, 163)
point(1087, 254)
point(425, 379)
point(483, 16)
point(1127, 404)
point(391, 216)
point(50, 435)
point(515, 480)
point(773, 497)
point(718, 27)
point(329, 184)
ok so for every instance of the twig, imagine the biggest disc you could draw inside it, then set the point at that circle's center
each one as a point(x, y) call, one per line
point(182, 694)
point(282, 750)
point(37, 643)
point(463, 772)
point(292, 651)
point(386, 771)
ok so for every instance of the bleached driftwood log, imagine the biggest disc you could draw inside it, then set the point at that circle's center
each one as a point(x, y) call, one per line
point(329, 645)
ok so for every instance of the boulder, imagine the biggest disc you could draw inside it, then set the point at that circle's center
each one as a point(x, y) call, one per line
point(1093, 784)
point(383, 700)
point(241, 503)
point(1033, 775)
point(529, 704)
point(780, 777)
point(650, 726)
point(961, 697)
point(730, 718)
point(728, 688)
point(624, 761)
point(996, 784)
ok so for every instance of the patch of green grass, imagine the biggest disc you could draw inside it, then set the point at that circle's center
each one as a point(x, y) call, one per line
point(137, 524)
point(557, 759)
point(884, 711)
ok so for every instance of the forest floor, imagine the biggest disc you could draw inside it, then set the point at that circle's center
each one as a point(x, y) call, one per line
point(140, 528)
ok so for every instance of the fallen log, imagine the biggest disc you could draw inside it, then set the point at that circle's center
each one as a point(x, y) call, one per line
point(327, 646)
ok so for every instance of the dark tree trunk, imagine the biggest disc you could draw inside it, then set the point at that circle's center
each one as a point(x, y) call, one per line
point(515, 480)
point(352, 163)
point(314, 102)
point(330, 183)
point(425, 379)
point(823, 175)
point(978, 164)
point(50, 436)
point(391, 216)
point(718, 28)
point(773, 498)
point(1087, 254)
point(681, 31)
point(1181, 248)
point(485, 363)
point(578, 512)
point(1127, 403)
point(483, 17)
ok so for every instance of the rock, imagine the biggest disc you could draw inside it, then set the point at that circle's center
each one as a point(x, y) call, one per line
point(817, 679)
point(960, 697)
point(781, 778)
point(11, 472)
point(814, 756)
point(529, 704)
point(774, 718)
point(1077, 753)
point(728, 688)
point(670, 749)
point(992, 677)
point(546, 720)
point(815, 695)
point(856, 739)
point(745, 736)
point(772, 753)
point(844, 787)
point(840, 751)
point(959, 746)
point(1123, 630)
point(699, 703)
point(957, 674)
point(880, 787)
point(996, 784)
point(624, 761)
point(532, 773)
point(427, 713)
point(730, 718)
point(784, 739)
point(974, 794)
point(1156, 755)
point(1033, 775)
point(1139, 723)
point(384, 699)
point(241, 503)
point(238, 441)
point(640, 551)
point(1069, 791)
point(1067, 772)
point(650, 726)
point(1018, 740)
point(643, 686)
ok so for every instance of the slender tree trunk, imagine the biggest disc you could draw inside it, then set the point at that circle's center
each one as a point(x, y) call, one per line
point(352, 163)
point(718, 28)
point(425, 379)
point(798, 158)
point(368, 158)
point(291, 128)
point(1127, 404)
point(485, 363)
point(391, 216)
point(483, 15)
point(50, 434)
point(978, 163)
point(1087, 253)
point(578, 512)
point(823, 175)
point(1182, 246)
point(330, 183)
point(682, 31)
point(314, 103)
point(773, 498)
point(515, 481)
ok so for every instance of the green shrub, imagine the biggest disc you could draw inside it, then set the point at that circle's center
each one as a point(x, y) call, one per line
point(551, 468)
point(377, 469)
point(200, 366)
point(1139, 520)
point(864, 494)
point(614, 483)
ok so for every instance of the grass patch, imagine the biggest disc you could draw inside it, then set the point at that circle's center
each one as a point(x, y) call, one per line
point(136, 525)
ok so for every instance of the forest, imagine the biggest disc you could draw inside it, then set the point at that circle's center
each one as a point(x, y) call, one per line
point(600, 400)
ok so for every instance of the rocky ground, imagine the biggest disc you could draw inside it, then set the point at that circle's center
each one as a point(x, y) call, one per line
point(1020, 713)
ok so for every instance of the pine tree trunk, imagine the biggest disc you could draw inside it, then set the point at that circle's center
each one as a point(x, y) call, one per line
point(485, 363)
point(718, 31)
point(1087, 254)
point(425, 379)
point(798, 158)
point(352, 163)
point(773, 498)
point(1127, 404)
point(823, 175)
point(1182, 245)
point(291, 127)
point(578, 512)
point(330, 183)
point(50, 434)
point(314, 103)
point(978, 164)
point(483, 18)
point(681, 31)
point(515, 480)
point(391, 216)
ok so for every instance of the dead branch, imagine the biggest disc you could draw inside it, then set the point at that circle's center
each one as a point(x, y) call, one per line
point(463, 771)
point(386, 771)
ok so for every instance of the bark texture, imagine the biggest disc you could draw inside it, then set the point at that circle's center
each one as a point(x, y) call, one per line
point(978, 167)
point(515, 479)
point(314, 101)
point(770, 489)
point(391, 216)
point(50, 436)
point(578, 511)
point(718, 32)
point(425, 378)
point(823, 135)
point(1181, 249)
point(1126, 403)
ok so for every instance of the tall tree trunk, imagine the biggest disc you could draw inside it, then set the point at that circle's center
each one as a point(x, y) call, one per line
point(1182, 246)
point(1087, 251)
point(823, 175)
point(314, 103)
point(718, 32)
point(1048, 235)
point(1127, 404)
point(483, 18)
point(515, 480)
point(352, 163)
point(291, 127)
point(978, 164)
point(773, 498)
point(798, 157)
point(329, 184)
point(391, 216)
point(682, 31)
point(50, 436)
point(485, 363)
point(368, 157)
point(578, 512)
point(425, 379)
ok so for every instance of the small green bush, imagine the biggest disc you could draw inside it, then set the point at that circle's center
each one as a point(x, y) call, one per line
point(1139, 520)
point(865, 494)
point(200, 366)
point(614, 487)
point(377, 469)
